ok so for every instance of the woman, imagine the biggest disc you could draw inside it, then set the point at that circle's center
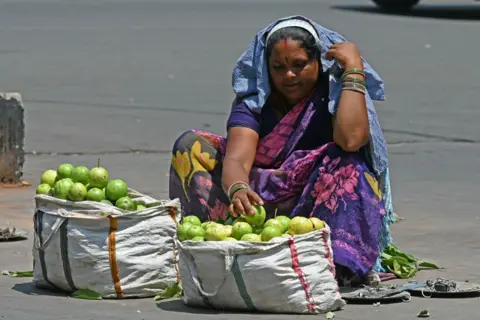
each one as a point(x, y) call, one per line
point(303, 140)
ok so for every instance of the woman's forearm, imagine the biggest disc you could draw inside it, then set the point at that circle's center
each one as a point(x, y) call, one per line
point(351, 127)
point(233, 172)
point(239, 156)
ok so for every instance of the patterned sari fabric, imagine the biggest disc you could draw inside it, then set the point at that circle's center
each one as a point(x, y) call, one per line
point(327, 183)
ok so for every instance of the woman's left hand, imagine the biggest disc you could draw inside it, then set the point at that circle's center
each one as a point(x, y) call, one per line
point(347, 55)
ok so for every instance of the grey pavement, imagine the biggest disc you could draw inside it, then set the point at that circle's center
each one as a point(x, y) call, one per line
point(121, 79)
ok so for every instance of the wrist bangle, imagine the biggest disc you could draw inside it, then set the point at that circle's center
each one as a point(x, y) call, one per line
point(237, 186)
point(354, 80)
point(353, 71)
point(354, 87)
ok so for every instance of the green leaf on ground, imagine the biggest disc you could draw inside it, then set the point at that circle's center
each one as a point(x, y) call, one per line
point(397, 267)
point(86, 294)
point(428, 265)
point(174, 291)
point(393, 250)
point(402, 264)
point(18, 274)
point(330, 315)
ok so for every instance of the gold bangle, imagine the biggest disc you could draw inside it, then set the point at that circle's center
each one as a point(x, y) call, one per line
point(353, 71)
point(351, 84)
point(237, 186)
point(354, 80)
point(354, 87)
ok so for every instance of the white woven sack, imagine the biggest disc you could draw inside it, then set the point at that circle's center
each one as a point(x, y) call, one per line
point(116, 253)
point(286, 275)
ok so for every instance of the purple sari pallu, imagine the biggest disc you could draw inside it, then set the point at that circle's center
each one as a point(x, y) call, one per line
point(328, 183)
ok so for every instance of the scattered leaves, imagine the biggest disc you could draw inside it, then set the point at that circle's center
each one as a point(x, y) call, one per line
point(174, 291)
point(18, 274)
point(402, 264)
point(86, 294)
point(428, 265)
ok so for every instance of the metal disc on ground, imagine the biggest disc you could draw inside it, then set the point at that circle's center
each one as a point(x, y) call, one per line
point(442, 288)
point(369, 295)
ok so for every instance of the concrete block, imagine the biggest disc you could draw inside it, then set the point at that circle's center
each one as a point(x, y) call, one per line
point(12, 138)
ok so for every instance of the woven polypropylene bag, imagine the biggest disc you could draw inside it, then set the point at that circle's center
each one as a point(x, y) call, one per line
point(285, 275)
point(116, 253)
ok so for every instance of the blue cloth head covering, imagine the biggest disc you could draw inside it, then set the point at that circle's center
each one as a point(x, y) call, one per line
point(251, 85)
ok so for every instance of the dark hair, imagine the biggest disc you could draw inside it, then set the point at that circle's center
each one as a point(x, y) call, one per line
point(306, 39)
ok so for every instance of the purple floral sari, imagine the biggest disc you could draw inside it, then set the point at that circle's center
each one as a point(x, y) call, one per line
point(327, 182)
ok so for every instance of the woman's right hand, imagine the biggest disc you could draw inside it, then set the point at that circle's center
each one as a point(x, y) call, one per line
point(243, 201)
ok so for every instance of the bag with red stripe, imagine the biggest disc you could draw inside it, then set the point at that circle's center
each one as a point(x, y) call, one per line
point(285, 275)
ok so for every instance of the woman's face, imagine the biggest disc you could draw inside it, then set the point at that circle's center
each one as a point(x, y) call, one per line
point(293, 74)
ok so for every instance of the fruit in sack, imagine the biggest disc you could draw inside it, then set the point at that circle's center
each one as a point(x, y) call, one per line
point(65, 170)
point(80, 174)
point(95, 194)
point(141, 207)
point(192, 220)
point(284, 220)
point(77, 192)
point(95, 182)
point(271, 232)
point(182, 231)
point(116, 189)
point(217, 233)
point(278, 227)
point(98, 178)
point(125, 203)
point(317, 223)
point(222, 232)
point(229, 229)
point(44, 188)
point(49, 177)
point(251, 237)
point(300, 225)
point(195, 231)
point(240, 229)
point(61, 188)
point(208, 224)
point(275, 223)
point(258, 218)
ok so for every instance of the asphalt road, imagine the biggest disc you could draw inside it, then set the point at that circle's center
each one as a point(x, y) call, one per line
point(107, 78)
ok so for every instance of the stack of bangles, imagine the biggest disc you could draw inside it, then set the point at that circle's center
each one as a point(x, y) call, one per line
point(354, 83)
point(237, 186)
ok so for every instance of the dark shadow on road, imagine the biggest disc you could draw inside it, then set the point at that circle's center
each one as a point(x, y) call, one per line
point(178, 306)
point(29, 288)
point(448, 12)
